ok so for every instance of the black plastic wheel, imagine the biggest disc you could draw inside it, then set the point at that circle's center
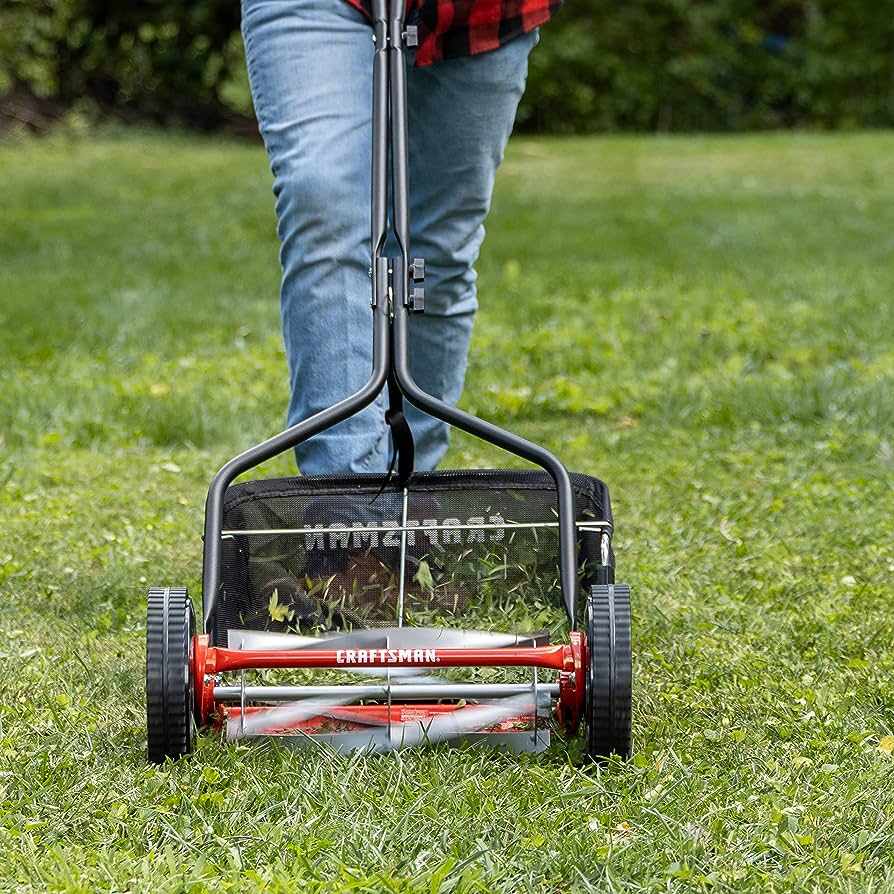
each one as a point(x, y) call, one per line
point(170, 627)
point(610, 674)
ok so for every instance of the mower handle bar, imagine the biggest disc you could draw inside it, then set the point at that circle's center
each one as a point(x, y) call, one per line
point(390, 323)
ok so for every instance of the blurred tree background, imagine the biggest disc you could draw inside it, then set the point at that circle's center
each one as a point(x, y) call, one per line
point(642, 65)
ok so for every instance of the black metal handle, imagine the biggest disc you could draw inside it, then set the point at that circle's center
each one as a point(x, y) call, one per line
point(400, 303)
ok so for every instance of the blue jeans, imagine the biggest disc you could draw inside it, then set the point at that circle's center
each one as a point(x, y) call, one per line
point(310, 69)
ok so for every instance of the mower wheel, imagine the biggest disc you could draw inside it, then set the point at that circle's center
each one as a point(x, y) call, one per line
point(610, 672)
point(170, 627)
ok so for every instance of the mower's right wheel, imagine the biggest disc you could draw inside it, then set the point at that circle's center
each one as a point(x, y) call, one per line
point(170, 627)
point(610, 672)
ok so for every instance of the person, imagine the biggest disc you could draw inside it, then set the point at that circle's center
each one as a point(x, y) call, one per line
point(310, 70)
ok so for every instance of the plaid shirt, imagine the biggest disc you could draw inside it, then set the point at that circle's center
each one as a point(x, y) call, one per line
point(452, 28)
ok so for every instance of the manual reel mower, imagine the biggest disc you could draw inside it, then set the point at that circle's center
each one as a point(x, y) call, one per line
point(363, 606)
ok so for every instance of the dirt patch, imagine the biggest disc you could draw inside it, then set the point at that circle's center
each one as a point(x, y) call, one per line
point(21, 108)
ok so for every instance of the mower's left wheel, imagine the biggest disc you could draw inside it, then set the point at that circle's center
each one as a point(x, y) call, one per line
point(610, 673)
point(170, 628)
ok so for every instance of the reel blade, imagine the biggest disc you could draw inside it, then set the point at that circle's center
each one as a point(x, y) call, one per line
point(385, 637)
point(280, 717)
point(456, 725)
point(451, 724)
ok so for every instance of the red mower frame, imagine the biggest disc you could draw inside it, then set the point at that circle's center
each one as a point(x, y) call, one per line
point(571, 661)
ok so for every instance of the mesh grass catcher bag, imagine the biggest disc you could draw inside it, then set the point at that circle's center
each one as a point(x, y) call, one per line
point(381, 612)
point(481, 548)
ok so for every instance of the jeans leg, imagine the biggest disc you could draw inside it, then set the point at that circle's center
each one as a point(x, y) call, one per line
point(461, 113)
point(310, 69)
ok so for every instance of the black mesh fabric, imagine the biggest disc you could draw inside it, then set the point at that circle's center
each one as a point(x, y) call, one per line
point(311, 554)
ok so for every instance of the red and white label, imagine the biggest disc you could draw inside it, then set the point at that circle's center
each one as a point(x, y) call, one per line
point(387, 656)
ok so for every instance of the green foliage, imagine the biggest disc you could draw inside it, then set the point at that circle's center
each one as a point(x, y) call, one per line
point(31, 35)
point(166, 60)
point(712, 65)
point(601, 66)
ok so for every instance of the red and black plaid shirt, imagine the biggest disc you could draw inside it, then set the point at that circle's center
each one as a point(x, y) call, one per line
point(452, 28)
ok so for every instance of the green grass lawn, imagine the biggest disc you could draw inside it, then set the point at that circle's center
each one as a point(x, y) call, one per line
point(705, 323)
